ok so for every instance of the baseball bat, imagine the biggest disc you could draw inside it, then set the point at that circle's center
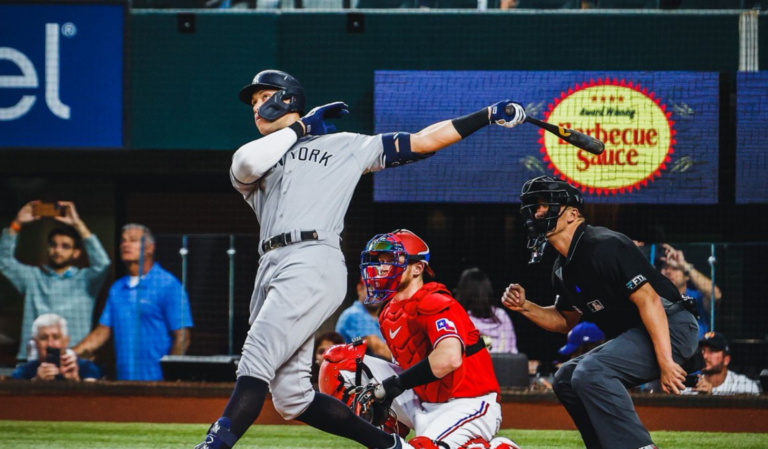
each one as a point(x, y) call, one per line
point(575, 138)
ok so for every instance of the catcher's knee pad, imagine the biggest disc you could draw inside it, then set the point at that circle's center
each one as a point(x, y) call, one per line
point(503, 443)
point(423, 443)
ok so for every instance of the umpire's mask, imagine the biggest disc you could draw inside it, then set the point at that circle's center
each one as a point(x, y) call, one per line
point(553, 194)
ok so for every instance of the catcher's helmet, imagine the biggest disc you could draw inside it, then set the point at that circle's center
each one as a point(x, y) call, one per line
point(287, 87)
point(552, 193)
point(382, 274)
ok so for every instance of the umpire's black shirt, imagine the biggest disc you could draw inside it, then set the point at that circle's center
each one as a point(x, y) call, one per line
point(602, 269)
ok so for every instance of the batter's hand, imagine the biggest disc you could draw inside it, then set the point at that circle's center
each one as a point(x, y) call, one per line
point(314, 121)
point(672, 378)
point(498, 114)
point(514, 298)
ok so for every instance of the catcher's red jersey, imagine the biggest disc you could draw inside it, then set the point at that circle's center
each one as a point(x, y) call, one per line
point(413, 327)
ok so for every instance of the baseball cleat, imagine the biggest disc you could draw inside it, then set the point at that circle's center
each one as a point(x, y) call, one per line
point(503, 443)
point(400, 443)
point(219, 436)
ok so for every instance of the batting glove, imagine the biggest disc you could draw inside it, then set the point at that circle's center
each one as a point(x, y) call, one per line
point(507, 113)
point(314, 121)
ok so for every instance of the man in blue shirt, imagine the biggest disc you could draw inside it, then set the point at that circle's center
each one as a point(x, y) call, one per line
point(149, 315)
point(690, 282)
point(58, 287)
point(361, 320)
point(50, 332)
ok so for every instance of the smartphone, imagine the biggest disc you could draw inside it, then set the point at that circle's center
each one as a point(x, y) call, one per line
point(53, 355)
point(48, 210)
point(691, 380)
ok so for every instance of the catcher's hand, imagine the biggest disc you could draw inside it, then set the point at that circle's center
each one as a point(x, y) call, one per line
point(370, 407)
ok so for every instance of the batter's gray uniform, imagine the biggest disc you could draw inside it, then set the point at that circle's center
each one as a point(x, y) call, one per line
point(300, 285)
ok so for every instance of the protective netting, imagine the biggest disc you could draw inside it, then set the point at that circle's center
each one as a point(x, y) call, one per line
point(685, 161)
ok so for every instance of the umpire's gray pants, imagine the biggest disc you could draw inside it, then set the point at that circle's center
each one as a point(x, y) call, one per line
point(593, 386)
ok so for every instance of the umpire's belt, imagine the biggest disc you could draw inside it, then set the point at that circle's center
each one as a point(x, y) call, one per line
point(286, 239)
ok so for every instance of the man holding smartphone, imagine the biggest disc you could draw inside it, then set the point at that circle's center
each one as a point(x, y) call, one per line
point(58, 286)
point(51, 339)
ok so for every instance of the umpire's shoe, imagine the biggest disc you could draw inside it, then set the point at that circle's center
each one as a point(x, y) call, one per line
point(219, 436)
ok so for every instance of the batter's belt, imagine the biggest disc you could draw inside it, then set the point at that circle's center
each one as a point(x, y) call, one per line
point(297, 236)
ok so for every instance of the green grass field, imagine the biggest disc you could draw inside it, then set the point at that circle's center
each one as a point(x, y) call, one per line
point(76, 435)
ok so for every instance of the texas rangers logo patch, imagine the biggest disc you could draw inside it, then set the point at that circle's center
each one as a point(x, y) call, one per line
point(444, 324)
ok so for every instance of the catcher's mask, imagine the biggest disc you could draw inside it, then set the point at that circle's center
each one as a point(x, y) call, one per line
point(385, 259)
point(545, 191)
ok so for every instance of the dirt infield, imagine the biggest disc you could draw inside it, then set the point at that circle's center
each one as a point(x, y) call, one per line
point(185, 403)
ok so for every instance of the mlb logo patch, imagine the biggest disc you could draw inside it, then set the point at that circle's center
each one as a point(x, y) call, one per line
point(595, 306)
point(444, 324)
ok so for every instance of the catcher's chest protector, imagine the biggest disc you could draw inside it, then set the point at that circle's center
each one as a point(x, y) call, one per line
point(402, 324)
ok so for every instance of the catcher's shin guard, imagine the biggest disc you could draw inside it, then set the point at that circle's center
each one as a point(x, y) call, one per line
point(219, 436)
point(423, 443)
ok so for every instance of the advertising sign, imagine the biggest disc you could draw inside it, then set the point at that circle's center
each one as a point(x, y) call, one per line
point(660, 131)
point(61, 75)
point(752, 138)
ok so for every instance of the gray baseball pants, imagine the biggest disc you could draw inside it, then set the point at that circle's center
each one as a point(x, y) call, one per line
point(593, 386)
point(297, 288)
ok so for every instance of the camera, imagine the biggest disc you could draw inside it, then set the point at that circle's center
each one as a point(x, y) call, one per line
point(53, 355)
point(691, 380)
point(48, 210)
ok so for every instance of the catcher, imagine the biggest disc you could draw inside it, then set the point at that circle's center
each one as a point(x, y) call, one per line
point(443, 385)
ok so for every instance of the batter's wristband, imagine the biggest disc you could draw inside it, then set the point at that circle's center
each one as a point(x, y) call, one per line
point(419, 374)
point(468, 124)
point(298, 129)
point(15, 226)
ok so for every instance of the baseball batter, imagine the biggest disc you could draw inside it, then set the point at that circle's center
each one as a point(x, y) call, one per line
point(299, 179)
point(443, 386)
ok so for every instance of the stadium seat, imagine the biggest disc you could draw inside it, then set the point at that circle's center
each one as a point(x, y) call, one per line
point(548, 4)
point(456, 4)
point(385, 4)
point(711, 4)
point(511, 369)
point(628, 4)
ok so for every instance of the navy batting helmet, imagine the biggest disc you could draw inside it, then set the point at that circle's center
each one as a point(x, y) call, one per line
point(287, 87)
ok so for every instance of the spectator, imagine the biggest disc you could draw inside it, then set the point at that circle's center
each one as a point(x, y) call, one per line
point(716, 378)
point(690, 282)
point(149, 316)
point(507, 4)
point(58, 287)
point(475, 293)
point(322, 343)
point(362, 320)
point(50, 331)
point(583, 338)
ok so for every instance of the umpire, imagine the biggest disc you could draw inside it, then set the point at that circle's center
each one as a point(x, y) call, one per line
point(600, 275)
